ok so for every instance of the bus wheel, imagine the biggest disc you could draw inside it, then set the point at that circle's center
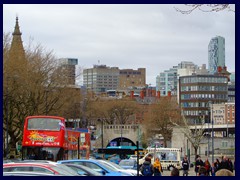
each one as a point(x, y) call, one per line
point(170, 167)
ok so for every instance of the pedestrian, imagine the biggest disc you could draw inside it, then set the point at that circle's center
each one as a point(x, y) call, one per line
point(207, 166)
point(147, 167)
point(213, 169)
point(224, 163)
point(217, 164)
point(185, 166)
point(230, 165)
point(202, 171)
point(198, 164)
point(175, 172)
point(157, 167)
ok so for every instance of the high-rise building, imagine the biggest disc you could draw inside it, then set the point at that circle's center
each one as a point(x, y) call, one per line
point(101, 78)
point(197, 92)
point(216, 54)
point(69, 67)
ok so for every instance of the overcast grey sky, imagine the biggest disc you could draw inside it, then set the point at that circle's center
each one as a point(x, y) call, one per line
point(152, 36)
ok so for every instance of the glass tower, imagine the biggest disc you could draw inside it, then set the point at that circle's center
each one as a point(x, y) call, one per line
point(216, 54)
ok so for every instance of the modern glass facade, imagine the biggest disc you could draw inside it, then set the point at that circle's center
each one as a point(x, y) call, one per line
point(216, 54)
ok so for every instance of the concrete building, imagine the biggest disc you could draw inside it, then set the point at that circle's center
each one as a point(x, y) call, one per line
point(68, 65)
point(216, 54)
point(197, 92)
point(132, 78)
point(101, 78)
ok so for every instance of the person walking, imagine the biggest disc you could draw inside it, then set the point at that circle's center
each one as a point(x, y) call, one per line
point(207, 166)
point(147, 167)
point(213, 169)
point(198, 164)
point(217, 164)
point(185, 166)
point(224, 163)
point(157, 167)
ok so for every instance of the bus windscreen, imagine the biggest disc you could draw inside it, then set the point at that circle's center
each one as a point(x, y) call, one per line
point(44, 124)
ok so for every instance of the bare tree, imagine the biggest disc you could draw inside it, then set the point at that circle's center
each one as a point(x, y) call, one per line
point(193, 135)
point(32, 85)
point(159, 118)
point(205, 8)
point(114, 111)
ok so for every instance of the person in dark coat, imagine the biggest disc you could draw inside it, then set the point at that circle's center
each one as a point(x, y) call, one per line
point(217, 164)
point(146, 163)
point(224, 163)
point(198, 164)
point(185, 166)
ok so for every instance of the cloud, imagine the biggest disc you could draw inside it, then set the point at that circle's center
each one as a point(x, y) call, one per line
point(154, 36)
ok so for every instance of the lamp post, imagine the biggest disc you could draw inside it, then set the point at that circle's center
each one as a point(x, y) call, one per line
point(227, 128)
point(212, 134)
point(7, 147)
point(101, 130)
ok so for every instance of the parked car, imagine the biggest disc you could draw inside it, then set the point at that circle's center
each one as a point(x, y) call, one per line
point(28, 173)
point(83, 170)
point(131, 172)
point(49, 168)
point(96, 165)
point(115, 158)
point(128, 164)
point(133, 157)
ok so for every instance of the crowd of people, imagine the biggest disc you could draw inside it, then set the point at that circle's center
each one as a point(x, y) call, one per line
point(224, 167)
point(206, 169)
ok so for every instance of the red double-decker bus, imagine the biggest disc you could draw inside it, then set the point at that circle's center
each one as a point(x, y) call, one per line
point(47, 138)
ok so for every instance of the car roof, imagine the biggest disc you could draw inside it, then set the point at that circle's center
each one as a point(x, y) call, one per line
point(28, 163)
point(86, 168)
point(74, 160)
point(28, 173)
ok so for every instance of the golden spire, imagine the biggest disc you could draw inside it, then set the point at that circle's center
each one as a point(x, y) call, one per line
point(17, 30)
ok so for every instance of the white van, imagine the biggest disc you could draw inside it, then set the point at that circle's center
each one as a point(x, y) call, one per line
point(169, 157)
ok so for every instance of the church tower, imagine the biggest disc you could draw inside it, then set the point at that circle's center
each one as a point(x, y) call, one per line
point(17, 57)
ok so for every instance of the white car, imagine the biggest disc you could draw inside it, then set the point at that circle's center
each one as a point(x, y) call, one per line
point(133, 157)
point(131, 172)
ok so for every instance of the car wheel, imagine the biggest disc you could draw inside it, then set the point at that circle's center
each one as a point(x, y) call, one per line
point(170, 167)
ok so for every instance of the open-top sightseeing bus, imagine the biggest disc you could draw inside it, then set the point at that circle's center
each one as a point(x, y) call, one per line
point(169, 157)
point(47, 138)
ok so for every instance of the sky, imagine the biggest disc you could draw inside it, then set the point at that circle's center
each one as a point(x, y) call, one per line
point(128, 36)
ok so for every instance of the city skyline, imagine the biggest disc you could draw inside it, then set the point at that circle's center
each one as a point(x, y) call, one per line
point(155, 37)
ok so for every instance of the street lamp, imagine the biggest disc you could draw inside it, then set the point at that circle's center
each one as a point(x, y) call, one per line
point(211, 107)
point(7, 119)
point(227, 128)
point(101, 130)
